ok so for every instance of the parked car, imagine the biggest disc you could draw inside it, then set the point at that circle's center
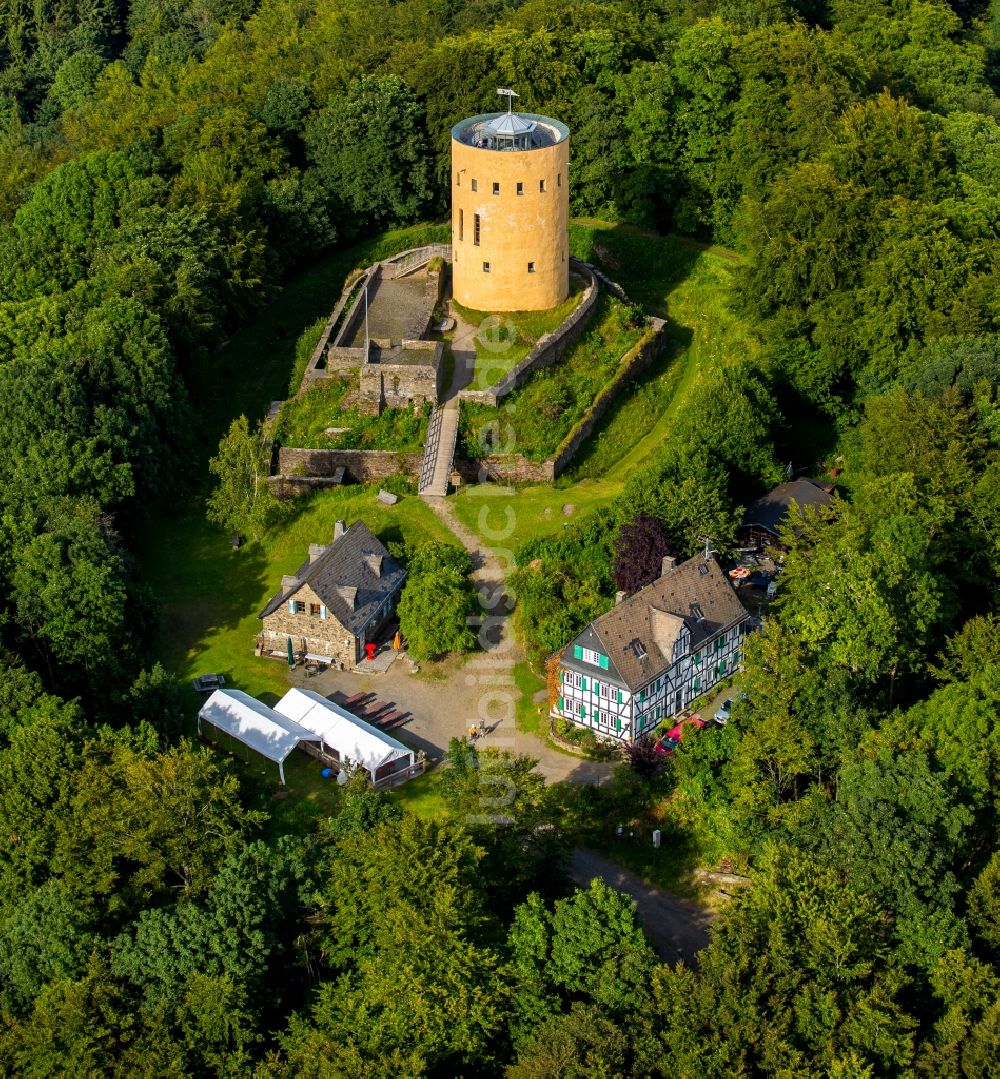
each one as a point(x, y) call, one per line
point(665, 746)
point(723, 712)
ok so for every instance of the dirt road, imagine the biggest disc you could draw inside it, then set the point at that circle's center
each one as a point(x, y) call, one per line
point(676, 928)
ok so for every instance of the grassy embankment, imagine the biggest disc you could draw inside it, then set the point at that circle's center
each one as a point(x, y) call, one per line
point(504, 340)
point(672, 280)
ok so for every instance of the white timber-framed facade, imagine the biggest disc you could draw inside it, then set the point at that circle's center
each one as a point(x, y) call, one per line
point(650, 656)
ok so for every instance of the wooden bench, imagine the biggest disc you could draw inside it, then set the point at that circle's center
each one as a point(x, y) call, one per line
point(353, 702)
point(390, 717)
point(403, 719)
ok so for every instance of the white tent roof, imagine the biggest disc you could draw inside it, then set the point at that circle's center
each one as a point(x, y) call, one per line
point(263, 729)
point(350, 736)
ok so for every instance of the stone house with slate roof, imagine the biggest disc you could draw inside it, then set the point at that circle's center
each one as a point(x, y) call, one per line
point(654, 652)
point(765, 516)
point(338, 599)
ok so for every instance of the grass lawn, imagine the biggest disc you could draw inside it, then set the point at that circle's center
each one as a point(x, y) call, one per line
point(505, 339)
point(303, 422)
point(211, 595)
point(421, 795)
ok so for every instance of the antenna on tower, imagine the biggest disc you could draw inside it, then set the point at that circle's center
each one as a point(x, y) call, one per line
point(509, 95)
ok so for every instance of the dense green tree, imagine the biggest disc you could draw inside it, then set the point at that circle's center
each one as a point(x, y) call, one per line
point(370, 150)
point(242, 502)
point(434, 613)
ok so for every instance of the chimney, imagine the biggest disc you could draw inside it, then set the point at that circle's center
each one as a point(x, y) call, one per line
point(315, 550)
point(619, 596)
point(339, 529)
point(668, 564)
point(288, 582)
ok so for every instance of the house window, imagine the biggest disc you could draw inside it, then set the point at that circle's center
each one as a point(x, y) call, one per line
point(496, 187)
point(541, 185)
point(314, 610)
point(300, 606)
point(531, 267)
point(520, 188)
point(461, 225)
point(475, 229)
point(486, 267)
point(475, 185)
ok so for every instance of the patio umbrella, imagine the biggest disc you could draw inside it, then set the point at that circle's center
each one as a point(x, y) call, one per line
point(291, 654)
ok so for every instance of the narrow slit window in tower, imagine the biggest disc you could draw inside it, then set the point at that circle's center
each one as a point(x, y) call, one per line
point(541, 185)
point(475, 229)
point(461, 224)
point(520, 188)
point(486, 267)
point(531, 267)
point(496, 187)
point(458, 179)
point(475, 185)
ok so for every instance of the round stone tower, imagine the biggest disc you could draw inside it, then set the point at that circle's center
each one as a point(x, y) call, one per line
point(510, 211)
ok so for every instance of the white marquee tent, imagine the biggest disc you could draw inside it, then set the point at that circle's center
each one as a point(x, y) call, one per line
point(264, 730)
point(345, 736)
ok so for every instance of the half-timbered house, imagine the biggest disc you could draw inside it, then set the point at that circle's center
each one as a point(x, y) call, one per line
point(654, 652)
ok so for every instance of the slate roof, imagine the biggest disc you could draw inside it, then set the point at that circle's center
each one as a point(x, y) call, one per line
point(771, 509)
point(349, 563)
point(697, 592)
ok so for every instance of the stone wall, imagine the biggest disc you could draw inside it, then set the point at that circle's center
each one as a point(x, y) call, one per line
point(632, 364)
point(549, 348)
point(351, 320)
point(309, 632)
point(301, 470)
point(398, 385)
point(513, 468)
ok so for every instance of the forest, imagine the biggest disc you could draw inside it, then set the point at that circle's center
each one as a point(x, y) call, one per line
point(165, 167)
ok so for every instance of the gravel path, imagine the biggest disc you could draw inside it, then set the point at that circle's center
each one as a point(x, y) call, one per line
point(677, 928)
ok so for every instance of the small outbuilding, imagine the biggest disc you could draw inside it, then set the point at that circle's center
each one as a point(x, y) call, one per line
point(262, 729)
point(765, 516)
point(344, 736)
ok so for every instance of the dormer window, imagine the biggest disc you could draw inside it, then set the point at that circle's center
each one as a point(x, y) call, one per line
point(638, 648)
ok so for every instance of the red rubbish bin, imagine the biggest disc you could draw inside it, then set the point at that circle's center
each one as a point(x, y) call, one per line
point(369, 650)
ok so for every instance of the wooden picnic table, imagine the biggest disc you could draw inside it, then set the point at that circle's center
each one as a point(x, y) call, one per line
point(403, 719)
point(351, 702)
point(390, 718)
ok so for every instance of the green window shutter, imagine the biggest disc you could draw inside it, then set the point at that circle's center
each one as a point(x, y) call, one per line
point(583, 683)
point(577, 651)
point(604, 663)
point(619, 696)
point(697, 659)
point(560, 704)
point(697, 684)
point(583, 711)
point(618, 724)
